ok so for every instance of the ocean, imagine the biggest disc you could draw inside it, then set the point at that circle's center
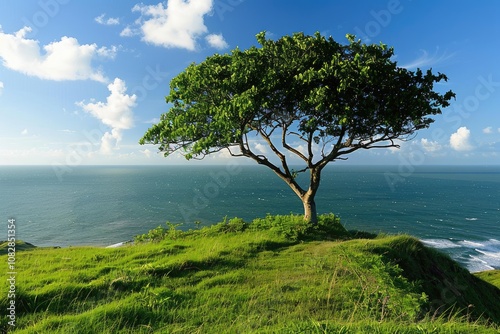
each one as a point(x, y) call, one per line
point(453, 208)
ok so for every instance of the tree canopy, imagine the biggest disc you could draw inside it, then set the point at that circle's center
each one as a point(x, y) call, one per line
point(306, 97)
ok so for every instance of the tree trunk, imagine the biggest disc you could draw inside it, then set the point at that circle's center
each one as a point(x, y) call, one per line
point(310, 213)
point(307, 197)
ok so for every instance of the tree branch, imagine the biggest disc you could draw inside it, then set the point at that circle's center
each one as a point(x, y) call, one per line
point(298, 135)
point(309, 149)
point(280, 155)
point(337, 151)
point(234, 154)
point(262, 160)
point(288, 147)
point(370, 145)
point(325, 142)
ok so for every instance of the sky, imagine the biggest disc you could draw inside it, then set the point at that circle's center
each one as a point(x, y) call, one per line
point(82, 81)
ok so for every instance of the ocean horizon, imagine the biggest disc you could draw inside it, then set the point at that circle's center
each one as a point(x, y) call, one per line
point(452, 208)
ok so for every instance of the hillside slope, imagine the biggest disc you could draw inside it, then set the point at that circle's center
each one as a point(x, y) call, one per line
point(275, 275)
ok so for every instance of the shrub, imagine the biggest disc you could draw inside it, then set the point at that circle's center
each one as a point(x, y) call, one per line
point(295, 228)
point(291, 227)
point(232, 226)
point(160, 233)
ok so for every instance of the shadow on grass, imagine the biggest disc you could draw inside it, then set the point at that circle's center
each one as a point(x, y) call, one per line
point(224, 261)
point(355, 234)
point(452, 290)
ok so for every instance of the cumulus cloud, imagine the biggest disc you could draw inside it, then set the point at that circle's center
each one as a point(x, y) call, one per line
point(178, 25)
point(217, 41)
point(488, 130)
point(147, 153)
point(107, 52)
point(108, 22)
point(430, 146)
point(1, 87)
point(116, 112)
point(110, 140)
point(460, 140)
point(129, 32)
point(61, 60)
point(261, 148)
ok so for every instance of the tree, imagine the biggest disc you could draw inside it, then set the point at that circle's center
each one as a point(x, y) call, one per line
point(306, 97)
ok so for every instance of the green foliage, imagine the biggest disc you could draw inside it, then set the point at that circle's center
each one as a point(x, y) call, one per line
point(295, 228)
point(291, 227)
point(326, 89)
point(232, 226)
point(160, 233)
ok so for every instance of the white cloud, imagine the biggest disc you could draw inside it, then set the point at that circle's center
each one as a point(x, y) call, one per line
point(33, 155)
point(152, 121)
point(488, 130)
point(430, 146)
point(178, 25)
point(426, 60)
point(217, 41)
point(1, 87)
point(110, 140)
point(460, 140)
point(392, 150)
point(302, 149)
point(62, 60)
point(147, 153)
point(116, 112)
point(261, 148)
point(129, 32)
point(107, 52)
point(109, 22)
point(24, 132)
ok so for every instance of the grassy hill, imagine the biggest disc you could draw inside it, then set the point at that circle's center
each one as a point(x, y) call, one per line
point(274, 275)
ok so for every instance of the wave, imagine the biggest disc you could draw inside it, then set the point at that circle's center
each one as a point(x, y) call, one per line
point(478, 259)
point(440, 243)
point(491, 245)
point(120, 244)
point(489, 254)
point(116, 245)
point(473, 219)
point(476, 264)
point(475, 255)
point(470, 244)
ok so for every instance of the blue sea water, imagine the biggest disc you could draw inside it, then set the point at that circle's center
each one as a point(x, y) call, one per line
point(453, 208)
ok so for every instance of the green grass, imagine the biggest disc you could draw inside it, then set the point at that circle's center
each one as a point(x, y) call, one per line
point(492, 276)
point(275, 275)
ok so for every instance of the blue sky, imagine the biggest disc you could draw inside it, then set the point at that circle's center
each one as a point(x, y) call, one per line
point(81, 81)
